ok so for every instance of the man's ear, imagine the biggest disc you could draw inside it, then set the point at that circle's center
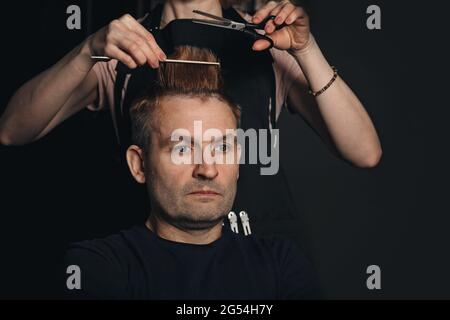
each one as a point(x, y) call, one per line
point(135, 159)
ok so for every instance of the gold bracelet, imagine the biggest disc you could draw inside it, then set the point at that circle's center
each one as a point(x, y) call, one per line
point(318, 93)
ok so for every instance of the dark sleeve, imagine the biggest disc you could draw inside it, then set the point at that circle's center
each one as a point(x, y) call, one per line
point(101, 274)
point(298, 279)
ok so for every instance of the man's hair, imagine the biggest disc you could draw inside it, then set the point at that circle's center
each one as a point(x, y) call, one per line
point(177, 79)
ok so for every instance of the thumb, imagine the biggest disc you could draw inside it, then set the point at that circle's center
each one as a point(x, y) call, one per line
point(261, 45)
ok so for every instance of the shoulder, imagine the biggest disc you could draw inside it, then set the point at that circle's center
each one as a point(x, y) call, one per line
point(103, 265)
point(114, 251)
point(109, 248)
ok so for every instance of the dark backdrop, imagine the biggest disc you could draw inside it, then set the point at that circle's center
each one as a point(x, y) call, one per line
point(69, 186)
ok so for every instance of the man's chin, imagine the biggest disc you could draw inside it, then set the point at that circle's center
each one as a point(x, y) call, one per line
point(196, 224)
point(201, 217)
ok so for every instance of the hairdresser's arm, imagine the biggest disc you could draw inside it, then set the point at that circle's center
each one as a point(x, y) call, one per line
point(70, 85)
point(337, 114)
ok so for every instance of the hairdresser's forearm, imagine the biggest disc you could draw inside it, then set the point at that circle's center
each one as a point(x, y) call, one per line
point(37, 102)
point(348, 123)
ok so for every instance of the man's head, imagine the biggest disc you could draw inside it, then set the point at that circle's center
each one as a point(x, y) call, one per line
point(198, 193)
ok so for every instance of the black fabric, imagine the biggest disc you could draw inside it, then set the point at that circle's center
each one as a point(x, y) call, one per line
point(137, 264)
point(244, 71)
point(250, 81)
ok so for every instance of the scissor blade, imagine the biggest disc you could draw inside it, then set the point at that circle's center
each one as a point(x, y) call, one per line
point(211, 16)
point(221, 24)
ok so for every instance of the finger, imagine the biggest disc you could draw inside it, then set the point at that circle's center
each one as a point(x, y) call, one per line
point(133, 49)
point(132, 43)
point(262, 13)
point(270, 26)
point(114, 52)
point(261, 44)
point(282, 14)
point(155, 47)
point(277, 38)
point(135, 26)
point(151, 57)
point(275, 11)
point(299, 13)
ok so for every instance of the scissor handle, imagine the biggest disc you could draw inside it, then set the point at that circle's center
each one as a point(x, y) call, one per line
point(262, 24)
point(258, 36)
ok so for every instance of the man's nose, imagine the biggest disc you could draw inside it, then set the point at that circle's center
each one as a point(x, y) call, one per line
point(205, 171)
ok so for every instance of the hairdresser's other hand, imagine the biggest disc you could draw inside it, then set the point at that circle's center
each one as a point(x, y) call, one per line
point(295, 37)
point(126, 40)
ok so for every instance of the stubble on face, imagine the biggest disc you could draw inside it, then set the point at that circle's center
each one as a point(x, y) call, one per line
point(171, 195)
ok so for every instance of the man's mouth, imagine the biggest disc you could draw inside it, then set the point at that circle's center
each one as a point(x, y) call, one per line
point(205, 192)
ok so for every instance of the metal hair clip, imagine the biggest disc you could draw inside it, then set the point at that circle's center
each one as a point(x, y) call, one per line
point(245, 223)
point(233, 222)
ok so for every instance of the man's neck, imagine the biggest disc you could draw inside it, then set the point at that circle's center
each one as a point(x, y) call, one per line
point(182, 9)
point(169, 232)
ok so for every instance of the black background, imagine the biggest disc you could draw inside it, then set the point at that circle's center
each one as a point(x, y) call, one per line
point(69, 186)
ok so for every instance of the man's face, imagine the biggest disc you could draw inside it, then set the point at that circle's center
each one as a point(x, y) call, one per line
point(188, 179)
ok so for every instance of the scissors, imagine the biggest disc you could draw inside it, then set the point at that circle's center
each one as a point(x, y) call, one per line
point(248, 28)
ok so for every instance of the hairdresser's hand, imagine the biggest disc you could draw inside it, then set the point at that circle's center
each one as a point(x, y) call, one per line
point(126, 40)
point(295, 37)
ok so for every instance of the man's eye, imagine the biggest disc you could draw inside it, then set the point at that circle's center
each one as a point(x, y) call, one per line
point(182, 149)
point(224, 147)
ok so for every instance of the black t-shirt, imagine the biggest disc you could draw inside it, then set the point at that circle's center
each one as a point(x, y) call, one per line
point(137, 264)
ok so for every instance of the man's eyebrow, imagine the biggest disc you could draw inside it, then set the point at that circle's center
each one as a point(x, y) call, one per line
point(176, 139)
point(173, 139)
point(227, 137)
